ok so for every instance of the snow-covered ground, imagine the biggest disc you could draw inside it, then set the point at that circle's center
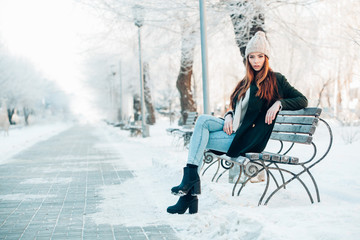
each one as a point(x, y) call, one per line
point(21, 137)
point(157, 163)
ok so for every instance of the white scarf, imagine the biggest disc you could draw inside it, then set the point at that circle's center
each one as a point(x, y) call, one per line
point(240, 110)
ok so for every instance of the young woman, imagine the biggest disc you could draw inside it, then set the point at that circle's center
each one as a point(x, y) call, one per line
point(256, 100)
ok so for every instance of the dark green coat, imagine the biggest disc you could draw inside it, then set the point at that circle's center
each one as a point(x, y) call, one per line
point(254, 133)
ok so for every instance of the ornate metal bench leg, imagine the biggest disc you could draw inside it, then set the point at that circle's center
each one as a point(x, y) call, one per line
point(271, 174)
point(250, 169)
point(209, 166)
point(295, 176)
point(267, 182)
point(273, 177)
point(315, 185)
point(177, 141)
point(217, 170)
point(238, 180)
point(187, 138)
point(242, 186)
point(281, 174)
point(221, 175)
point(226, 165)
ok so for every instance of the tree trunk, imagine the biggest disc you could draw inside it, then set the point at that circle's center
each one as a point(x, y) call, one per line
point(339, 97)
point(323, 88)
point(10, 114)
point(183, 82)
point(247, 18)
point(150, 116)
point(26, 115)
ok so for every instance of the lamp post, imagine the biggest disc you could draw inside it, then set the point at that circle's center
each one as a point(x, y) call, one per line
point(112, 91)
point(139, 20)
point(204, 56)
point(121, 105)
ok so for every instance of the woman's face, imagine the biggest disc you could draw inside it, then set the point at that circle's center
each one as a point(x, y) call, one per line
point(257, 60)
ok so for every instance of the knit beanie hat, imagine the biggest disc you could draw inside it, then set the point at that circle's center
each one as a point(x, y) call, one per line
point(258, 43)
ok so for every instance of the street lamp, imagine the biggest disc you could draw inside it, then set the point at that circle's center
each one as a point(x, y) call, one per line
point(204, 56)
point(112, 91)
point(139, 20)
point(121, 105)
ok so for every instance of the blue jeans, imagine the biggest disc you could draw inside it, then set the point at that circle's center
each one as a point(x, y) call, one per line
point(208, 134)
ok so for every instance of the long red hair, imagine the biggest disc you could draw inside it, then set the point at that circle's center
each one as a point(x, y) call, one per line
point(265, 80)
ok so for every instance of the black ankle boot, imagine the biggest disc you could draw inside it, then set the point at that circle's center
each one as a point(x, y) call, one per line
point(184, 203)
point(190, 183)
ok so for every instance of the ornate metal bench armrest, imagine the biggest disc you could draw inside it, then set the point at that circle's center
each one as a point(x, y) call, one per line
point(171, 130)
point(210, 156)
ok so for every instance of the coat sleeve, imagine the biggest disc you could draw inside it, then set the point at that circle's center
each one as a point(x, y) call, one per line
point(291, 99)
point(229, 112)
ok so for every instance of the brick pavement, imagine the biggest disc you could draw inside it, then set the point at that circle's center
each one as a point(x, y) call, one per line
point(49, 190)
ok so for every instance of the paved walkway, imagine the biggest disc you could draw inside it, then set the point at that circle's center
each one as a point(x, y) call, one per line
point(49, 190)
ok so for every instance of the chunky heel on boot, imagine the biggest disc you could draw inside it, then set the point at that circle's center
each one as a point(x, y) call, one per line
point(193, 208)
point(189, 183)
point(184, 203)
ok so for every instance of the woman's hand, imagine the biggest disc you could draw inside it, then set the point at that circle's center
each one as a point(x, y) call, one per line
point(271, 113)
point(228, 124)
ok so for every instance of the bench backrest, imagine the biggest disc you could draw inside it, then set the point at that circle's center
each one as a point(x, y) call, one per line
point(190, 120)
point(296, 126)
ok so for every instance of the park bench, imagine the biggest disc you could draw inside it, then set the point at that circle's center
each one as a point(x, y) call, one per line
point(186, 131)
point(292, 129)
point(135, 128)
point(120, 124)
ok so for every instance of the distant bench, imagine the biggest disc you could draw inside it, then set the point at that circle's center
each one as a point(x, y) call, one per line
point(135, 128)
point(294, 127)
point(186, 131)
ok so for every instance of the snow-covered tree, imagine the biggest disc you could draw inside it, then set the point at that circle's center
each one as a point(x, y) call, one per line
point(315, 44)
point(25, 88)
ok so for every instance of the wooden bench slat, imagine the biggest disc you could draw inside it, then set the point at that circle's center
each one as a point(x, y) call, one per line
point(303, 112)
point(305, 139)
point(191, 116)
point(190, 120)
point(309, 129)
point(297, 120)
point(192, 113)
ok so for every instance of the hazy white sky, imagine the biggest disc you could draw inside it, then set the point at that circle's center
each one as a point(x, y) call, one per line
point(51, 34)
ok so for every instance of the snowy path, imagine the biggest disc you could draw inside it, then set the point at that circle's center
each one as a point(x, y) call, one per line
point(21, 137)
point(54, 189)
